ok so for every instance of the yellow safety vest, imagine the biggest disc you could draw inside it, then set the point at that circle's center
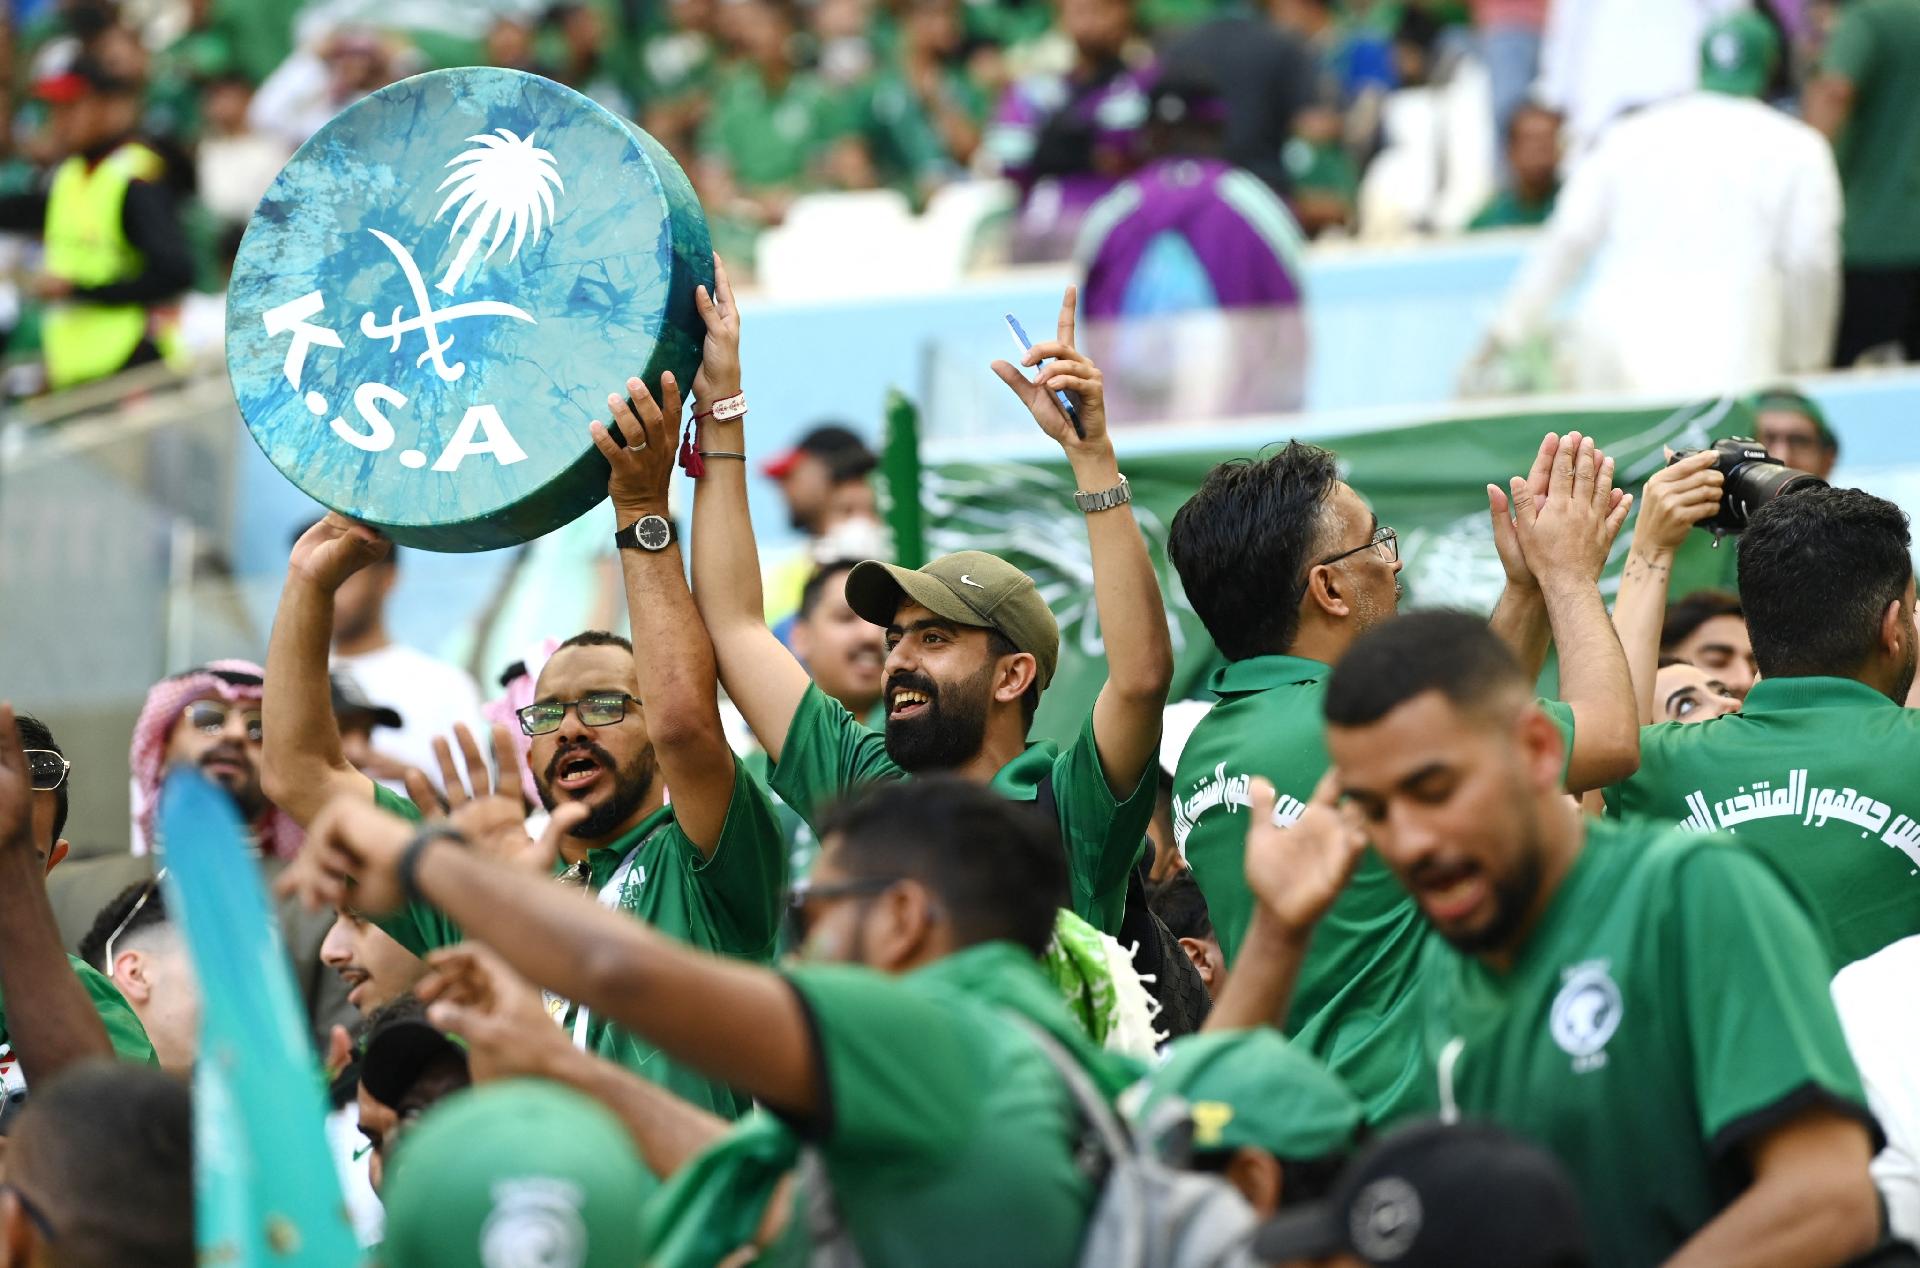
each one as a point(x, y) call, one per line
point(86, 246)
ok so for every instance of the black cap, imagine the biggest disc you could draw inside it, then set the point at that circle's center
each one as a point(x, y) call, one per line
point(1435, 1194)
point(397, 1055)
point(349, 699)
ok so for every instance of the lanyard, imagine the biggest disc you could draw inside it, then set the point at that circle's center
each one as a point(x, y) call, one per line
point(608, 897)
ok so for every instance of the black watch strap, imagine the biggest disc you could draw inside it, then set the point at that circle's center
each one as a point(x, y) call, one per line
point(407, 871)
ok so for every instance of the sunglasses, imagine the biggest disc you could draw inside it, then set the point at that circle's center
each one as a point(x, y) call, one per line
point(127, 919)
point(804, 894)
point(602, 708)
point(46, 769)
point(210, 718)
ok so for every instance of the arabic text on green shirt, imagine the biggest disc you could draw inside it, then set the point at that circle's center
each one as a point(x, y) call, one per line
point(828, 752)
point(1670, 1007)
point(1352, 1005)
point(772, 138)
point(1815, 774)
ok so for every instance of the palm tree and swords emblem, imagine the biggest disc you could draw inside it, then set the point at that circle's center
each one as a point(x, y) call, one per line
point(504, 184)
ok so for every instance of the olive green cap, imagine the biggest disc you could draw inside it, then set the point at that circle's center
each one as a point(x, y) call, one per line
point(1253, 1088)
point(969, 587)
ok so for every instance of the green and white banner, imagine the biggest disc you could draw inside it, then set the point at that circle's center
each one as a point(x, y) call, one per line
point(1427, 480)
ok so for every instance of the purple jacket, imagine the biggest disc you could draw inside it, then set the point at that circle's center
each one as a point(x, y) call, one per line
point(1209, 234)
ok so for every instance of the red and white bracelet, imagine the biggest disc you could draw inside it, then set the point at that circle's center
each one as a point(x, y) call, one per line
point(726, 409)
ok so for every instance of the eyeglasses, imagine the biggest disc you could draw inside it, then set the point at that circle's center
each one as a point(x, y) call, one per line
point(46, 769)
point(210, 717)
point(127, 919)
point(805, 893)
point(602, 708)
point(1384, 543)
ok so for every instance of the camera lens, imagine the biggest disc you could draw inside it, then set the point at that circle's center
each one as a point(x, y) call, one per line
point(1751, 485)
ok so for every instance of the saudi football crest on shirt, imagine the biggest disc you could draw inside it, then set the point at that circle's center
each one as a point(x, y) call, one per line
point(439, 290)
point(1585, 1014)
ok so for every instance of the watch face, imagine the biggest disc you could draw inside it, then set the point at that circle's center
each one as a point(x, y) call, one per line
point(653, 532)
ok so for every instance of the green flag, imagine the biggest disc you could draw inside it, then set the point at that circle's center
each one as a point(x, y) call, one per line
point(265, 1189)
point(1426, 480)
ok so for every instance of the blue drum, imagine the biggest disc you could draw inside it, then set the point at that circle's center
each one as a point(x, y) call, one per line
point(440, 289)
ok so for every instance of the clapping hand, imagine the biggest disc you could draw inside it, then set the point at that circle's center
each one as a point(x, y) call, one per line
point(1566, 535)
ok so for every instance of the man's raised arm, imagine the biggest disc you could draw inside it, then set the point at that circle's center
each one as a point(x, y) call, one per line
point(1566, 537)
point(474, 994)
point(1673, 500)
point(761, 676)
point(737, 1023)
point(302, 764)
point(673, 659)
point(1126, 591)
point(51, 1021)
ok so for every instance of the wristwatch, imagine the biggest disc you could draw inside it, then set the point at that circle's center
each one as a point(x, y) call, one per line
point(649, 532)
point(1106, 499)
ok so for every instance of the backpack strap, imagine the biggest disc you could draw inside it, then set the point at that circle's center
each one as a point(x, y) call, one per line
point(1111, 1140)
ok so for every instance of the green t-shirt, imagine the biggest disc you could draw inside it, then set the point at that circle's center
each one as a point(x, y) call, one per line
point(1352, 1005)
point(771, 139)
point(828, 752)
point(947, 1135)
point(1507, 210)
point(907, 148)
point(1814, 773)
point(1875, 45)
point(1670, 1007)
point(729, 904)
point(124, 1031)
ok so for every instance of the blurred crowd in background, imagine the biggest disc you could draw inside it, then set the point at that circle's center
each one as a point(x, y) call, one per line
point(1373, 118)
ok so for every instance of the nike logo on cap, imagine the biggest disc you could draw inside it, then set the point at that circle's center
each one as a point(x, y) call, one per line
point(966, 580)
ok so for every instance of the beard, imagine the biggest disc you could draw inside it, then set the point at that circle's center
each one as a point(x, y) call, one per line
point(631, 785)
point(949, 729)
point(1514, 894)
point(248, 796)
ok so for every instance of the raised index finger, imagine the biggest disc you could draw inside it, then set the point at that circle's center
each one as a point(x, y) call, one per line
point(1068, 303)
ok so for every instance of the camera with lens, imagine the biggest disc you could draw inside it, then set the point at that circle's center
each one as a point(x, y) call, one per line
point(1751, 478)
